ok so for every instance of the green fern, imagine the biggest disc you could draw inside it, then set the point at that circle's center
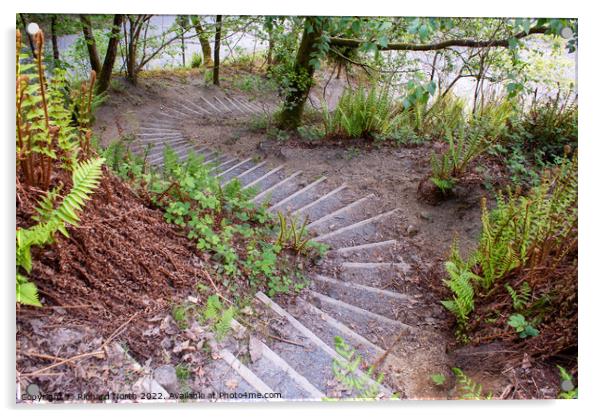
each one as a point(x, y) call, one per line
point(346, 371)
point(218, 317)
point(361, 113)
point(520, 299)
point(212, 308)
point(86, 177)
point(536, 230)
point(222, 326)
point(460, 283)
point(469, 388)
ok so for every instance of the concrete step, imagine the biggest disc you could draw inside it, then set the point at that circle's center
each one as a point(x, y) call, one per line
point(310, 355)
point(307, 193)
point(393, 305)
point(230, 379)
point(273, 369)
point(342, 233)
point(379, 251)
point(278, 190)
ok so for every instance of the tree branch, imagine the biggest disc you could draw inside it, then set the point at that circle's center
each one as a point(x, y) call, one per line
point(467, 43)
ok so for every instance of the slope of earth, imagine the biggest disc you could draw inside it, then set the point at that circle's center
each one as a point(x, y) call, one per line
point(106, 292)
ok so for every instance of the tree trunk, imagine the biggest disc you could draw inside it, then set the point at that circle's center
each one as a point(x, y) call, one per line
point(218, 35)
point(205, 45)
point(270, 57)
point(131, 69)
point(183, 23)
point(294, 101)
point(55, 44)
point(29, 38)
point(109, 62)
point(90, 43)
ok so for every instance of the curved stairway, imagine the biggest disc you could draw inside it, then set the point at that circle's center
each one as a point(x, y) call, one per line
point(359, 293)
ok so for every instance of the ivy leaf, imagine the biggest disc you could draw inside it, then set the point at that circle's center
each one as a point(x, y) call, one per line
point(383, 41)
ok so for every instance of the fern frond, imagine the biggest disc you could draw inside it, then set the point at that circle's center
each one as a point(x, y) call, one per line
point(86, 177)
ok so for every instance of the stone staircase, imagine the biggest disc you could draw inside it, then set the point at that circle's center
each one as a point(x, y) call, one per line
point(291, 341)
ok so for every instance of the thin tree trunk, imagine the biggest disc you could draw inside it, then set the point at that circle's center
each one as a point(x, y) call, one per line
point(55, 44)
point(290, 117)
point(270, 58)
point(131, 46)
point(90, 43)
point(29, 38)
point(106, 72)
point(218, 35)
point(183, 23)
point(205, 45)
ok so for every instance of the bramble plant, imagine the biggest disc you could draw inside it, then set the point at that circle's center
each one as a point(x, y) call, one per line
point(522, 327)
point(240, 237)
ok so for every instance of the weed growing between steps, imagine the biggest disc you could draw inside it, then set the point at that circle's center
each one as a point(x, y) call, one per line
point(365, 385)
point(243, 243)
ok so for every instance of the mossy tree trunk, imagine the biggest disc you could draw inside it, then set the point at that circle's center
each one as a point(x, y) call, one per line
point(205, 45)
point(90, 42)
point(109, 62)
point(301, 79)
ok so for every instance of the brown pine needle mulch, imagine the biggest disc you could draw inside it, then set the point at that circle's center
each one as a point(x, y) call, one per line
point(122, 261)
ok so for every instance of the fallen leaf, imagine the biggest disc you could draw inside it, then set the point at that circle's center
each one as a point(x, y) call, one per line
point(232, 384)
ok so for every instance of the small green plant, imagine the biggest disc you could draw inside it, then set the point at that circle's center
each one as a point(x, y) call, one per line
point(219, 318)
point(520, 299)
point(197, 60)
point(182, 373)
point(522, 326)
point(469, 389)
point(291, 235)
point(569, 390)
point(347, 371)
point(311, 133)
point(460, 283)
point(438, 379)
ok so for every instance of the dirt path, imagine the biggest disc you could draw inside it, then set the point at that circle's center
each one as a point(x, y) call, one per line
point(376, 288)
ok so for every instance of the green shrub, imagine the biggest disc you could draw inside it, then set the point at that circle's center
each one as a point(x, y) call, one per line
point(492, 117)
point(546, 129)
point(197, 60)
point(362, 113)
point(537, 230)
point(452, 164)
